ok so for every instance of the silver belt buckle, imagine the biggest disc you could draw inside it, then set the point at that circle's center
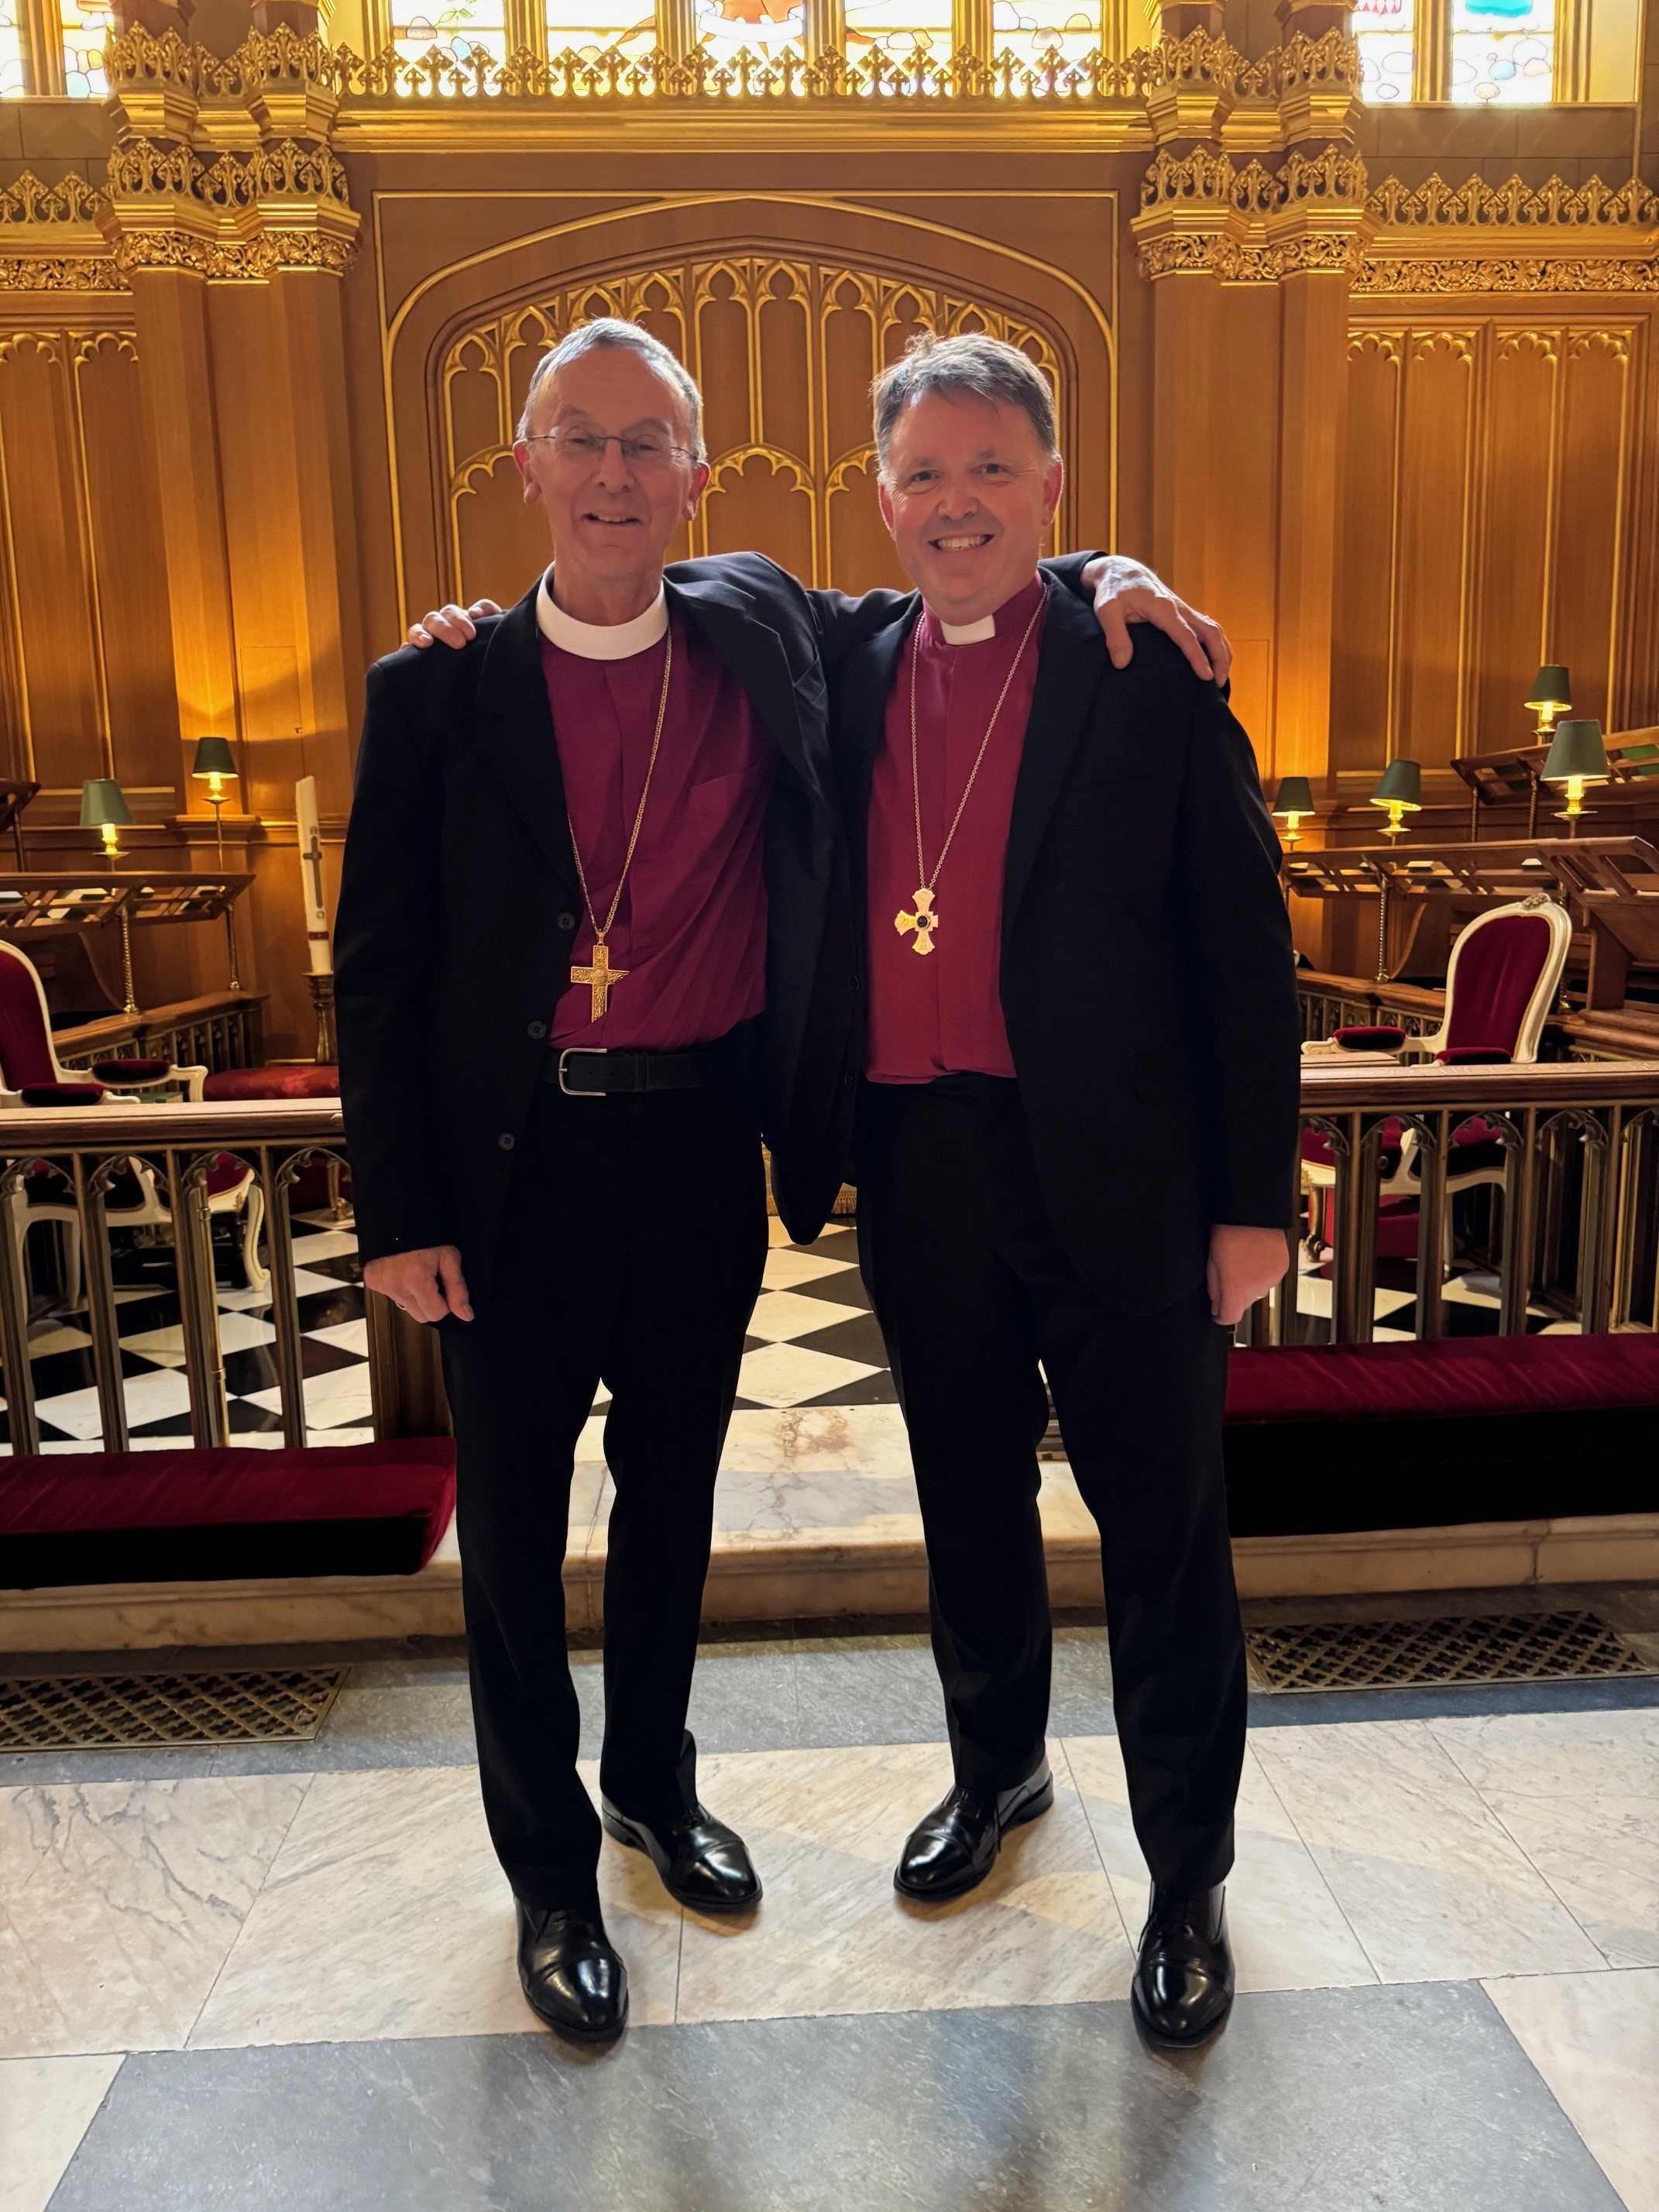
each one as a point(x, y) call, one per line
point(570, 1052)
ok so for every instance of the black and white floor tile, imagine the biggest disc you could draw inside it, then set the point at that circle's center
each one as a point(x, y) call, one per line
point(328, 1283)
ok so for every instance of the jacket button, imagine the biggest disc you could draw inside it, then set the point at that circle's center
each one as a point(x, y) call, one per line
point(507, 1140)
point(854, 982)
point(848, 1082)
point(538, 1029)
point(565, 920)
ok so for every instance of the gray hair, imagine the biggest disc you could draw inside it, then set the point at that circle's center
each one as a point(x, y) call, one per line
point(609, 331)
point(973, 361)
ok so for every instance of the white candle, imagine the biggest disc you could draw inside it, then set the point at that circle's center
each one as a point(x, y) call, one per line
point(311, 875)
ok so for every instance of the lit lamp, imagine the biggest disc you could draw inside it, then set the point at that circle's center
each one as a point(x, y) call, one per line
point(1401, 792)
point(1294, 800)
point(1578, 757)
point(1551, 695)
point(214, 766)
point(104, 808)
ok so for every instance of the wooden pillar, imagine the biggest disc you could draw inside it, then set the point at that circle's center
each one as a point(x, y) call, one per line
point(1186, 328)
point(329, 608)
point(1313, 412)
point(170, 315)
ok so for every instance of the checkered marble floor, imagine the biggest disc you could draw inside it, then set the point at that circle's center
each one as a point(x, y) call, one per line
point(334, 1348)
point(812, 1341)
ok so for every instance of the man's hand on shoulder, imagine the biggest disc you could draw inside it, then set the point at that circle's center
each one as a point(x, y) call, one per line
point(451, 625)
point(427, 1284)
point(1127, 592)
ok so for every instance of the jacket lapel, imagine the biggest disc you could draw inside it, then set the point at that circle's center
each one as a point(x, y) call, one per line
point(865, 684)
point(515, 732)
point(725, 615)
point(1070, 665)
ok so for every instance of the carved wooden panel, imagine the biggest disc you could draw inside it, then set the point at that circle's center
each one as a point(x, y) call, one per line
point(1492, 477)
point(87, 668)
point(784, 347)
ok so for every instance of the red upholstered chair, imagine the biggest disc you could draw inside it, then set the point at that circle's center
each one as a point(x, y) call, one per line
point(29, 1064)
point(1501, 982)
point(30, 1074)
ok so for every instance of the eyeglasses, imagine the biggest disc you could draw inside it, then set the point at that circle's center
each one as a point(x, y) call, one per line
point(586, 448)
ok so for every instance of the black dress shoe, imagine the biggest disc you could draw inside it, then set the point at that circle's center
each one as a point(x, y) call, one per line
point(571, 1976)
point(953, 1849)
point(703, 1863)
point(1183, 1984)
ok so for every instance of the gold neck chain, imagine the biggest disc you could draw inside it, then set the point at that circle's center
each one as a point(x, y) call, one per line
point(920, 922)
point(601, 933)
point(930, 882)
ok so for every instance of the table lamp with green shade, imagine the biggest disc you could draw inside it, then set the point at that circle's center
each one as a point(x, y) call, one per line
point(215, 766)
point(1295, 801)
point(1578, 757)
point(104, 808)
point(1551, 695)
point(1401, 792)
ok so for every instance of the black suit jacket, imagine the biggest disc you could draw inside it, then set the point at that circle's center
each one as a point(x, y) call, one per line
point(1147, 977)
point(459, 900)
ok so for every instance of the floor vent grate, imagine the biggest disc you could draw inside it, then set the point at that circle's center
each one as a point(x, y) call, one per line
point(125, 1712)
point(1388, 1654)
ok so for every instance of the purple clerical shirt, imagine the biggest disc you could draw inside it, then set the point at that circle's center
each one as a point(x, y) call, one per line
point(940, 1013)
point(690, 932)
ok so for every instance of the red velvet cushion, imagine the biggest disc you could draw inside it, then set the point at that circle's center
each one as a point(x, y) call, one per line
point(62, 1094)
point(218, 1487)
point(25, 1052)
point(130, 1070)
point(305, 1081)
point(1463, 1375)
point(1475, 1055)
point(1499, 965)
point(1383, 1037)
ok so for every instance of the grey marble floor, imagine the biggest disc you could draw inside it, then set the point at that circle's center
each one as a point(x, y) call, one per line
point(281, 1976)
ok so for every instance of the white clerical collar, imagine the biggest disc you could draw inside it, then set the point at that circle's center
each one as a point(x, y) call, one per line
point(599, 640)
point(968, 633)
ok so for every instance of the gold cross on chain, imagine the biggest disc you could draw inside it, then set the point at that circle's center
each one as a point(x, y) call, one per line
point(601, 980)
point(924, 922)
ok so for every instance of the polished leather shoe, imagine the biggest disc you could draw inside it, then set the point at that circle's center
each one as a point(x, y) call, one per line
point(953, 1849)
point(1183, 1984)
point(703, 1863)
point(571, 1976)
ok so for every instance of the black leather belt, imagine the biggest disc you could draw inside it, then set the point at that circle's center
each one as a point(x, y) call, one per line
point(586, 1072)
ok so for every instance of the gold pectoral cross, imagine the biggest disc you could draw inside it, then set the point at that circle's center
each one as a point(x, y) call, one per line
point(922, 924)
point(601, 980)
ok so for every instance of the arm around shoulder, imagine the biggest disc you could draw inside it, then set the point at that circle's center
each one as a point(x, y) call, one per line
point(385, 944)
point(1246, 1026)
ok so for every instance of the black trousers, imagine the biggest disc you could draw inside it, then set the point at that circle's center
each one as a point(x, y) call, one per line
point(972, 1290)
point(632, 1255)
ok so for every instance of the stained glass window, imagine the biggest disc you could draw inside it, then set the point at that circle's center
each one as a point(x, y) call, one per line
point(1503, 52)
point(460, 28)
point(87, 25)
point(764, 27)
point(11, 53)
point(583, 26)
point(899, 27)
point(1033, 28)
point(1386, 34)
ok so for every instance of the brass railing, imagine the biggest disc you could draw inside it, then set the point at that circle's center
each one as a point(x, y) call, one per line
point(1331, 1002)
point(76, 1157)
point(1576, 1231)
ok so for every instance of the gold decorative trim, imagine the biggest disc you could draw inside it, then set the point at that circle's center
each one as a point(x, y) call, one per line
point(1515, 205)
point(145, 70)
point(1384, 274)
